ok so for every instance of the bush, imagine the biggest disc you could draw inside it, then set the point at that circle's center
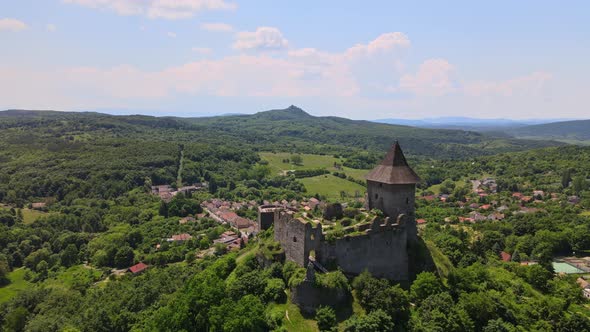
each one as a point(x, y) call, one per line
point(326, 318)
point(334, 280)
point(274, 290)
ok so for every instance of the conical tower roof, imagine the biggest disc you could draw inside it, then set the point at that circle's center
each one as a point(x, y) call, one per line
point(394, 169)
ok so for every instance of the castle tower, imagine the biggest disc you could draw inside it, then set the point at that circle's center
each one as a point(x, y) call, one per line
point(391, 188)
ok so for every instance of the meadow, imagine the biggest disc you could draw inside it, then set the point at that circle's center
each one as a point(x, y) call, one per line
point(17, 284)
point(326, 185)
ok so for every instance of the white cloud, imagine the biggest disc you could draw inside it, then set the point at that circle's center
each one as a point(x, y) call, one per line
point(171, 34)
point(167, 9)
point(385, 42)
point(432, 79)
point(264, 38)
point(528, 84)
point(51, 27)
point(11, 24)
point(221, 27)
point(202, 50)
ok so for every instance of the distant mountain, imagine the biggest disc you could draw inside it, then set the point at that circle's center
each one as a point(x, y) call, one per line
point(578, 130)
point(293, 127)
point(466, 123)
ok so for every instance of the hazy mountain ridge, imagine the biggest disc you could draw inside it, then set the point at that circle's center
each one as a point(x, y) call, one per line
point(292, 129)
point(565, 130)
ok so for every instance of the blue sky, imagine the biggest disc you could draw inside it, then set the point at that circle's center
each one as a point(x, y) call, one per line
point(363, 60)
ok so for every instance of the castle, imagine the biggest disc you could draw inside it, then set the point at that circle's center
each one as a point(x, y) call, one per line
point(380, 245)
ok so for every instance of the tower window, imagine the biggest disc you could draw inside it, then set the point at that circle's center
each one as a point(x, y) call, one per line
point(407, 201)
point(376, 196)
point(380, 185)
point(294, 239)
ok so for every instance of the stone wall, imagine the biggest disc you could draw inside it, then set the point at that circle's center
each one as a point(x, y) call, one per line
point(266, 216)
point(382, 251)
point(297, 237)
point(309, 297)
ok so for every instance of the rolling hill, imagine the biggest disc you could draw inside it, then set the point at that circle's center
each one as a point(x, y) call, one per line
point(577, 131)
point(294, 128)
point(290, 129)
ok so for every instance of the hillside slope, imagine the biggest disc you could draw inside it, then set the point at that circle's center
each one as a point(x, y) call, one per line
point(578, 130)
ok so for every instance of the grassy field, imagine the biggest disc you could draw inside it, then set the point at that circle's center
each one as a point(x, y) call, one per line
point(293, 320)
point(310, 161)
point(73, 275)
point(17, 284)
point(585, 213)
point(330, 186)
point(29, 215)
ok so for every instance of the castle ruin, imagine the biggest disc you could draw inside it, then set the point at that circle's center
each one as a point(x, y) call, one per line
point(379, 245)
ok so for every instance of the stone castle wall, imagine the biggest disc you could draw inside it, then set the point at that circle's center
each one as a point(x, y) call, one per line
point(382, 251)
point(298, 238)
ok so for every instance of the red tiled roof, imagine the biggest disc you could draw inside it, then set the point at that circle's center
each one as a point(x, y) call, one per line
point(228, 215)
point(506, 257)
point(421, 221)
point(181, 237)
point(139, 267)
point(241, 222)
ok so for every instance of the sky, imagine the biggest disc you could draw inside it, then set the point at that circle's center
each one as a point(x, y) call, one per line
point(356, 59)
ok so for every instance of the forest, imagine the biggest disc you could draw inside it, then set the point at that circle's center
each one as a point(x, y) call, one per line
point(77, 210)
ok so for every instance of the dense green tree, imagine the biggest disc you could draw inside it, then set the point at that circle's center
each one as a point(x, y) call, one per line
point(69, 256)
point(274, 291)
point(4, 270)
point(16, 319)
point(124, 257)
point(376, 321)
point(425, 285)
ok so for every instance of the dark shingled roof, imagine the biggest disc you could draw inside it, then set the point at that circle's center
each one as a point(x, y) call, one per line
point(393, 169)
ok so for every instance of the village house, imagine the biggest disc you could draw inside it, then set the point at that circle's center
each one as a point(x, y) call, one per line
point(573, 199)
point(179, 238)
point(226, 237)
point(232, 240)
point(477, 216)
point(186, 220)
point(39, 206)
point(506, 257)
point(463, 219)
point(138, 268)
point(585, 287)
point(496, 216)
